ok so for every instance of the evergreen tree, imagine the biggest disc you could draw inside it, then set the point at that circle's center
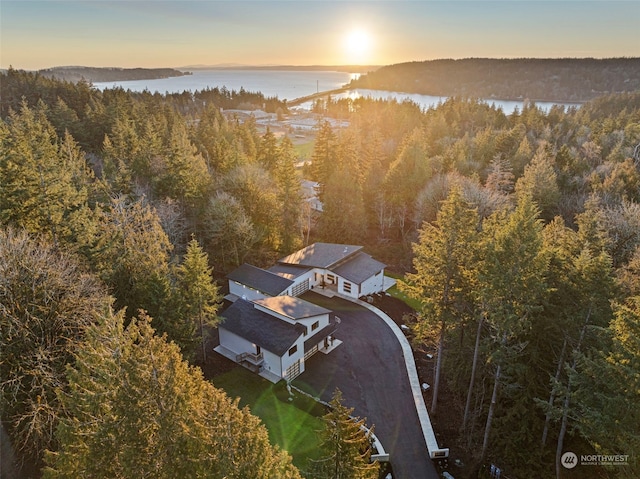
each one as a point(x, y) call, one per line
point(185, 176)
point(345, 446)
point(343, 217)
point(197, 293)
point(41, 183)
point(323, 158)
point(137, 409)
point(228, 229)
point(512, 288)
point(130, 252)
point(444, 277)
point(268, 151)
point(540, 182)
point(289, 198)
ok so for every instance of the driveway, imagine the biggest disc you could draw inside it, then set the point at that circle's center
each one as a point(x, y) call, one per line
point(370, 371)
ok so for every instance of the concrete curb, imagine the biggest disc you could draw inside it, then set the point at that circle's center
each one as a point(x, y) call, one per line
point(435, 452)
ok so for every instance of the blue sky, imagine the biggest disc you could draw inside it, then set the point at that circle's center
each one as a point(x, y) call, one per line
point(174, 33)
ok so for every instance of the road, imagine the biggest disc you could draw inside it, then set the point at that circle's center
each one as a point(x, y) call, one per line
point(370, 371)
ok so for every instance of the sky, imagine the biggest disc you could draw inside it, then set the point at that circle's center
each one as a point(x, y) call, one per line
point(36, 34)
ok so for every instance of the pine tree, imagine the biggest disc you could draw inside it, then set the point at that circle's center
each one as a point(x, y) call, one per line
point(345, 446)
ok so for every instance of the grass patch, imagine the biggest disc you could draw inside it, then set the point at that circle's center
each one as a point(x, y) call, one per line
point(304, 150)
point(289, 427)
point(396, 293)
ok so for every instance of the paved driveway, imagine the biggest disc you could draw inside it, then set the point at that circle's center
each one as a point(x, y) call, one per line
point(370, 371)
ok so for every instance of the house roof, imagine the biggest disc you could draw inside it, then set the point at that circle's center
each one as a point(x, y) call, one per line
point(292, 307)
point(260, 279)
point(359, 268)
point(288, 271)
point(268, 332)
point(321, 255)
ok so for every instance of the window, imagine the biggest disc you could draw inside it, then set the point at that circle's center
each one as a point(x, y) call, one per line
point(293, 350)
point(331, 279)
point(315, 325)
point(347, 287)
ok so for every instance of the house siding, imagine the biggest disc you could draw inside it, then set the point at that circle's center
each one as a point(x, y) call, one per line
point(287, 361)
point(235, 343)
point(374, 284)
point(244, 292)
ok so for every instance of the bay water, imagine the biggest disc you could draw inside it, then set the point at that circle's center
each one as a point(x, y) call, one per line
point(290, 85)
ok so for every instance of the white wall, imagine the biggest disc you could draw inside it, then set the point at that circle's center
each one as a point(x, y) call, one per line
point(238, 345)
point(272, 363)
point(299, 355)
point(241, 291)
point(323, 320)
point(235, 343)
point(375, 284)
point(308, 276)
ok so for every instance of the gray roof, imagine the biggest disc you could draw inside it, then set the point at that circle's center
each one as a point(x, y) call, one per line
point(260, 279)
point(292, 307)
point(359, 268)
point(268, 332)
point(321, 255)
point(288, 271)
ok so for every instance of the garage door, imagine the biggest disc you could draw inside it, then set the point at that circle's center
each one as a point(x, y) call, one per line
point(300, 288)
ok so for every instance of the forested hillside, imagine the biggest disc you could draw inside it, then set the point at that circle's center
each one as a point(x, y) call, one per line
point(519, 234)
point(92, 74)
point(562, 80)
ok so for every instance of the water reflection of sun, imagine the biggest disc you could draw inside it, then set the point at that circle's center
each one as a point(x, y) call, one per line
point(358, 47)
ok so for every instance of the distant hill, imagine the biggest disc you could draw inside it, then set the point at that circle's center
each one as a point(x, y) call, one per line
point(93, 75)
point(563, 80)
point(239, 66)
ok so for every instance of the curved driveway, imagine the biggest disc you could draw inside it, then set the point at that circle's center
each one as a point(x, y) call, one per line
point(369, 369)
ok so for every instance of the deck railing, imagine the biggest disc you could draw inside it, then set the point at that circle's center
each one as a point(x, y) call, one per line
point(252, 358)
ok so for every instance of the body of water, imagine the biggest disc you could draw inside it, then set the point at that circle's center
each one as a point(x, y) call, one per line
point(286, 85)
point(289, 85)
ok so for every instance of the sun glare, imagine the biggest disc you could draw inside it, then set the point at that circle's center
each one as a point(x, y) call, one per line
point(358, 46)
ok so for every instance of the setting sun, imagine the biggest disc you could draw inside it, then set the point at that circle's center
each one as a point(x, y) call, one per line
point(358, 46)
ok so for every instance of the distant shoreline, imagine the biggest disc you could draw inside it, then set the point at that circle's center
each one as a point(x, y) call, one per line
point(302, 68)
point(109, 74)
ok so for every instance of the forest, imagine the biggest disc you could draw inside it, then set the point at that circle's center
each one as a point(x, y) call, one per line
point(93, 74)
point(518, 235)
point(563, 80)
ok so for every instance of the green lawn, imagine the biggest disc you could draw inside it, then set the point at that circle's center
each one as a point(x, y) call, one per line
point(304, 150)
point(396, 293)
point(289, 427)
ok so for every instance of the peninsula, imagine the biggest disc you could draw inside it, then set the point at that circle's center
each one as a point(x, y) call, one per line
point(92, 74)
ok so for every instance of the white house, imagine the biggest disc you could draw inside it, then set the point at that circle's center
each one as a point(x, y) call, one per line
point(273, 332)
point(250, 282)
point(344, 269)
point(274, 336)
